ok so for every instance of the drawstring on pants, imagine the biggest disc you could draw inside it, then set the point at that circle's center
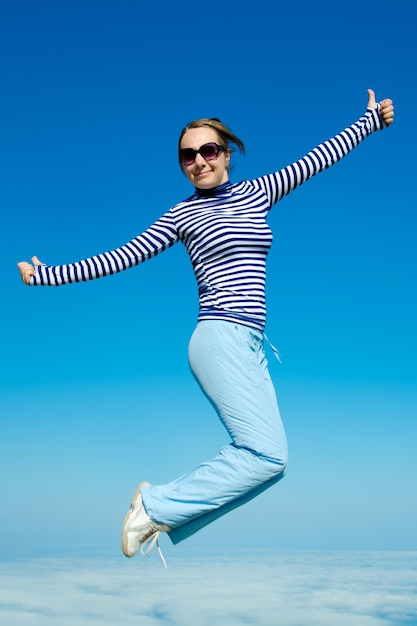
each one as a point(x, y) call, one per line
point(273, 348)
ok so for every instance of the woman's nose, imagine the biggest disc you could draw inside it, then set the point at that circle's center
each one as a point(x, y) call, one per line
point(199, 160)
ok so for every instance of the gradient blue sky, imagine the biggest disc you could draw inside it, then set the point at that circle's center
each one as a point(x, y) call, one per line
point(95, 392)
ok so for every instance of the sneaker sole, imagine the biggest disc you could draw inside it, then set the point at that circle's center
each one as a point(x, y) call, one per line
point(136, 499)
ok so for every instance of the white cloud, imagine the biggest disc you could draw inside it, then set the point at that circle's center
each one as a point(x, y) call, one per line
point(288, 589)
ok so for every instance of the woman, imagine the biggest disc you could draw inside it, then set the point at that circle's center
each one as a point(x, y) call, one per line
point(224, 230)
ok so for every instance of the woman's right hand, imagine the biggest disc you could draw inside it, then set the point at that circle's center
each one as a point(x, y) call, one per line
point(27, 270)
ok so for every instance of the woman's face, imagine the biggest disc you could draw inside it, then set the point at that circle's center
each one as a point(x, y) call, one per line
point(205, 174)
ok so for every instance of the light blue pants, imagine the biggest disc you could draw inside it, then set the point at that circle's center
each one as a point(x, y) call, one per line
point(229, 363)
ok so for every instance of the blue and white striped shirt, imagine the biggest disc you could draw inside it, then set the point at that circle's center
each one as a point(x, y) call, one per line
point(225, 233)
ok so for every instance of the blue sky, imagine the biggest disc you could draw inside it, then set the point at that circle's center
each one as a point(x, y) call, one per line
point(95, 393)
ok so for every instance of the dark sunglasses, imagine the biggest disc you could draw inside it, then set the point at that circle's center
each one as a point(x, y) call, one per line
point(209, 152)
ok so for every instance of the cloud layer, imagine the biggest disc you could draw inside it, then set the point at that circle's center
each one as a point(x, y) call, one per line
point(292, 589)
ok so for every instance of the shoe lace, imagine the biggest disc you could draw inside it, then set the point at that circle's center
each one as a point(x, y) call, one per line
point(149, 543)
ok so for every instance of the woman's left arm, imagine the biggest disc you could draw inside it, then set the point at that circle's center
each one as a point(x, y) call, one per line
point(377, 116)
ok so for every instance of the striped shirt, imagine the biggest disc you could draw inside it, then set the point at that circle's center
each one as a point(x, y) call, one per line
point(225, 233)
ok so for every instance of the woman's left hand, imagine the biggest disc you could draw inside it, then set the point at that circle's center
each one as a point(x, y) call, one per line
point(386, 110)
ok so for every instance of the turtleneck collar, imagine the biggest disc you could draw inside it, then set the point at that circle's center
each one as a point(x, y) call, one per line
point(215, 191)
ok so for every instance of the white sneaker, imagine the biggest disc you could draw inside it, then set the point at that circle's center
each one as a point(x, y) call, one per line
point(138, 528)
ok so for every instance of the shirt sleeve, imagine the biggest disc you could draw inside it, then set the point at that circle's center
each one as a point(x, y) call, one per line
point(161, 235)
point(281, 183)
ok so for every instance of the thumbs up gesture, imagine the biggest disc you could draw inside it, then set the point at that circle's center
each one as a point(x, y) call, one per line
point(27, 270)
point(386, 107)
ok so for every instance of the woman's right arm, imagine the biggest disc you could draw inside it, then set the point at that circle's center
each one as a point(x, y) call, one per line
point(161, 235)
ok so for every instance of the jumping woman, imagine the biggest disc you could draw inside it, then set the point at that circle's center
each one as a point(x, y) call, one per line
point(223, 227)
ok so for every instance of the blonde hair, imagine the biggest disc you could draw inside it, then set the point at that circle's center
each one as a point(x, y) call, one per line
point(226, 137)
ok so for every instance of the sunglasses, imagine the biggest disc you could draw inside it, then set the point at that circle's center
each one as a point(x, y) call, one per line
point(209, 152)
